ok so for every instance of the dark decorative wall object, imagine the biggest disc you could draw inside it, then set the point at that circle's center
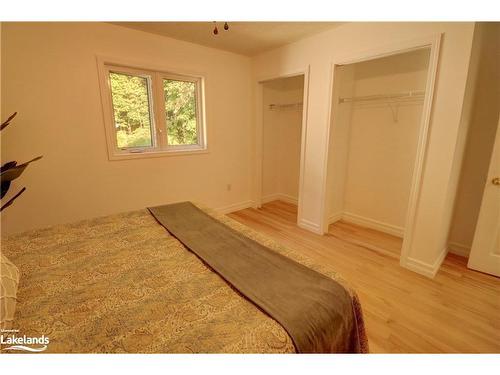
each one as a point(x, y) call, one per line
point(10, 171)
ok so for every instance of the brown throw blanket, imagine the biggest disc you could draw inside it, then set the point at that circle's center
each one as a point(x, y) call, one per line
point(315, 310)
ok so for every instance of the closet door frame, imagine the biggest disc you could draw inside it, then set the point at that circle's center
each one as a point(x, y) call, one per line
point(259, 133)
point(432, 42)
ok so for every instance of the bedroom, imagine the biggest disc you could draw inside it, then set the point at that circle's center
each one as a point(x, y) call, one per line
point(368, 162)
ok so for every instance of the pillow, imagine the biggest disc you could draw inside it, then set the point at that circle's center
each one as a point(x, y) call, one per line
point(9, 280)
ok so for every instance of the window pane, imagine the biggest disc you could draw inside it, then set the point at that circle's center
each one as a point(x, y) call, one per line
point(131, 110)
point(180, 109)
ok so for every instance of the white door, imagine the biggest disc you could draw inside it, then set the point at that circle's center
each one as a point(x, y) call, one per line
point(485, 252)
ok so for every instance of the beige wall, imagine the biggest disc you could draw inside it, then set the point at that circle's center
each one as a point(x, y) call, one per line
point(428, 246)
point(482, 116)
point(49, 72)
point(281, 139)
point(339, 139)
point(383, 143)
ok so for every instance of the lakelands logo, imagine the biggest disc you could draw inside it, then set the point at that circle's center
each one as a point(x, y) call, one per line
point(22, 343)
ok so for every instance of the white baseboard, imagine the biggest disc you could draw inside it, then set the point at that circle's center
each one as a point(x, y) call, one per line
point(269, 198)
point(280, 197)
point(235, 207)
point(412, 264)
point(310, 226)
point(334, 217)
point(459, 249)
point(423, 268)
point(373, 224)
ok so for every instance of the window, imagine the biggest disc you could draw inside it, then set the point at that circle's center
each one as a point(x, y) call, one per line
point(180, 112)
point(151, 112)
point(131, 110)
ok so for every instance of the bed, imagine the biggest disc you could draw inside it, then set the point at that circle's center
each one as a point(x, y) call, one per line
point(123, 284)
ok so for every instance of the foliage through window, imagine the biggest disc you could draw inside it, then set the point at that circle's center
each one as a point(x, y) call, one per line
point(180, 108)
point(153, 111)
point(131, 110)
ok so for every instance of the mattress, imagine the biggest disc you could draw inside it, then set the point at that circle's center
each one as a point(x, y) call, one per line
point(122, 284)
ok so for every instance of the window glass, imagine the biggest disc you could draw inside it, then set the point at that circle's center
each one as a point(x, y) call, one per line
point(132, 110)
point(181, 112)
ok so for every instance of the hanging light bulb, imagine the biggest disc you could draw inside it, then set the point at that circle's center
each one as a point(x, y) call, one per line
point(216, 30)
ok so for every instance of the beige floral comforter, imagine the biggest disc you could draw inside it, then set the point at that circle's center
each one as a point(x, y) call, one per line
point(121, 283)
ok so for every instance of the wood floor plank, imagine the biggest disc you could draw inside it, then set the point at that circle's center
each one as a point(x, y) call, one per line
point(456, 312)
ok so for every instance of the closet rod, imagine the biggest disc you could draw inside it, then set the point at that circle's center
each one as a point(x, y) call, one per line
point(402, 95)
point(285, 106)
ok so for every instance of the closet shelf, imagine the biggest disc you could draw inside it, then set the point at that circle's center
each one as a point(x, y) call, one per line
point(407, 95)
point(278, 107)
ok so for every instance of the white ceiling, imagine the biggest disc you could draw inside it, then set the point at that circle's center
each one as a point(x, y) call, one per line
point(246, 38)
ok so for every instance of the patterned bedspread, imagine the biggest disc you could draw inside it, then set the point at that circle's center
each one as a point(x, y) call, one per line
point(121, 283)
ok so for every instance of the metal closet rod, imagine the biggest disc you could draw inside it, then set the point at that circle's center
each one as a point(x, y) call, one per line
point(400, 95)
point(285, 106)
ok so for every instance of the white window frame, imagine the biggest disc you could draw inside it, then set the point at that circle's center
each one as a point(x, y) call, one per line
point(158, 120)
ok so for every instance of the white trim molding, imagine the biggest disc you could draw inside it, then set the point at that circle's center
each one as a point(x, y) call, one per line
point(280, 197)
point(373, 224)
point(367, 222)
point(333, 218)
point(424, 268)
point(235, 207)
point(410, 263)
point(459, 249)
point(310, 226)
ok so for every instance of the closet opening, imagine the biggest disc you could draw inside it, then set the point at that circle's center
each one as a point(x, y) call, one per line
point(282, 107)
point(377, 125)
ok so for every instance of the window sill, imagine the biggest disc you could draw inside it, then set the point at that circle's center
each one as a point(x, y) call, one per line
point(155, 154)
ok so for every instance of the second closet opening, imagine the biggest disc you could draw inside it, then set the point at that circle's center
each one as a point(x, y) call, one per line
point(282, 138)
point(375, 125)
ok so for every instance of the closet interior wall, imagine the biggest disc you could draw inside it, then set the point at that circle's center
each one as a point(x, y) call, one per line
point(282, 127)
point(373, 143)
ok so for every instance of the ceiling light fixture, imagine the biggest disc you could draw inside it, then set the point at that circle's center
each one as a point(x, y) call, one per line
point(216, 30)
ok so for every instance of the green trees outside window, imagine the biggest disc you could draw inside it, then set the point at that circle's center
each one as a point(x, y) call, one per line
point(133, 113)
point(131, 110)
point(180, 110)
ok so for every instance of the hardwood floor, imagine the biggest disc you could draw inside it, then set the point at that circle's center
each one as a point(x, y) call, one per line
point(457, 311)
